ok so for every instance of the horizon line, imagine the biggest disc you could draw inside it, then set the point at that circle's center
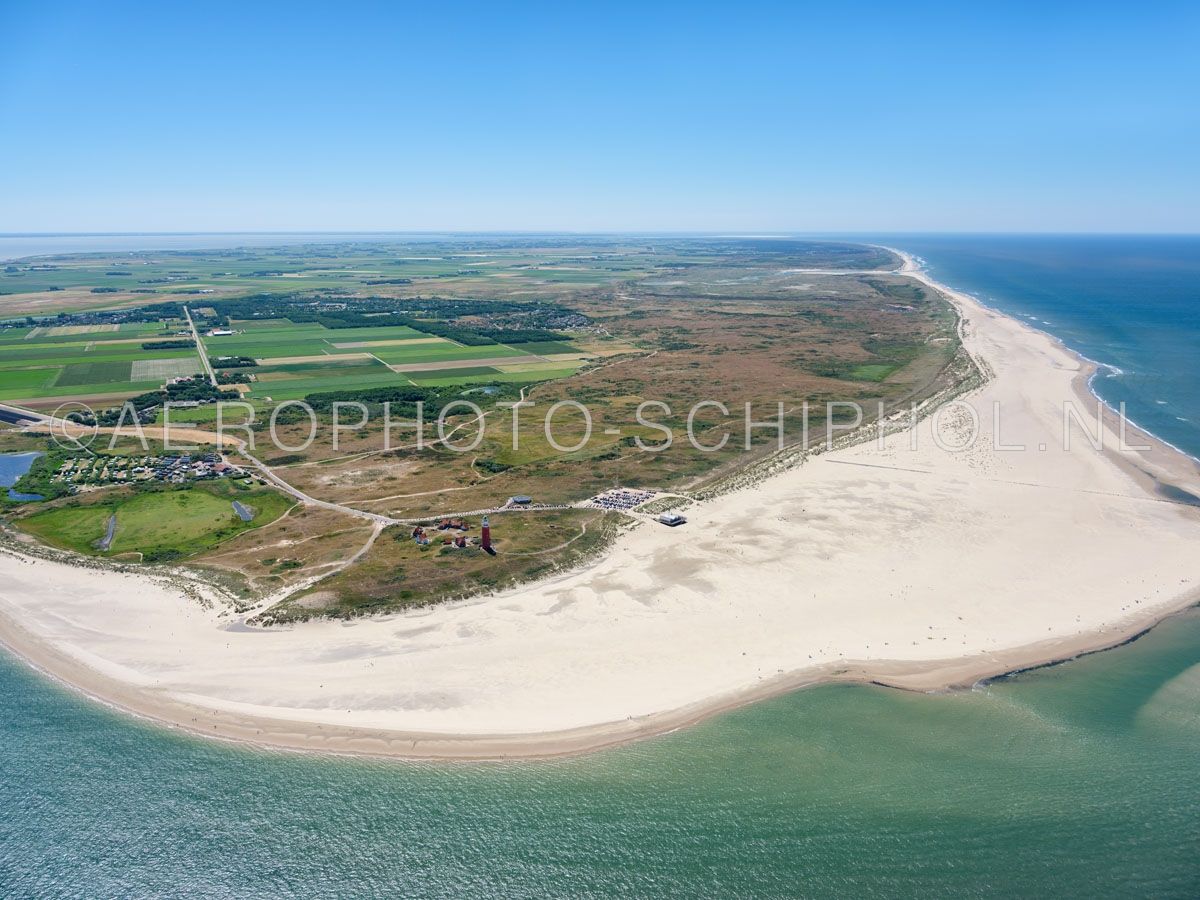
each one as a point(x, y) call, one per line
point(585, 232)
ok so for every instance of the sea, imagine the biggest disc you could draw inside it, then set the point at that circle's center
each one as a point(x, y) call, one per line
point(1131, 304)
point(1075, 780)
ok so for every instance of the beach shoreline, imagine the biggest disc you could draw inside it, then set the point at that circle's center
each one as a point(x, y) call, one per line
point(264, 734)
point(121, 655)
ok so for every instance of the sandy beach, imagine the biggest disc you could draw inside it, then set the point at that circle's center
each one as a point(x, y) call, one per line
point(907, 562)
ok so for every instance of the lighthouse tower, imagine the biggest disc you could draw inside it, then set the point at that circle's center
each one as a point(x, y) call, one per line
point(485, 540)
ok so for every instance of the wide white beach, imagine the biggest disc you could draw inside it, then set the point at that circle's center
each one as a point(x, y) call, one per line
point(922, 568)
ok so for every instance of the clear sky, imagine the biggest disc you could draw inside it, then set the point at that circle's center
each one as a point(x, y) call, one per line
point(599, 116)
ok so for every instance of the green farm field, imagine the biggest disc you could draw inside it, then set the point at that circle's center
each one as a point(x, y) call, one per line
point(446, 352)
point(297, 359)
point(263, 341)
point(91, 359)
point(298, 388)
point(449, 377)
point(268, 370)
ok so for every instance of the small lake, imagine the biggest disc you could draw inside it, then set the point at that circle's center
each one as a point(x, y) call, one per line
point(12, 467)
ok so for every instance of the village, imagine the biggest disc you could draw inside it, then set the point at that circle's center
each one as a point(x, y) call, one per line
point(81, 471)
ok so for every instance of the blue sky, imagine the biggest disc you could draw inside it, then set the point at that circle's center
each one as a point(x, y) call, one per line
point(572, 116)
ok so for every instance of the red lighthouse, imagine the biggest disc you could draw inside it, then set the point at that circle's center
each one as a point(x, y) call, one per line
point(485, 541)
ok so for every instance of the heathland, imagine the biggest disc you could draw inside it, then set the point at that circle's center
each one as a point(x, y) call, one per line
point(658, 339)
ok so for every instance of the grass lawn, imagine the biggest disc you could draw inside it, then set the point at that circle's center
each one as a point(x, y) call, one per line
point(872, 372)
point(233, 414)
point(162, 524)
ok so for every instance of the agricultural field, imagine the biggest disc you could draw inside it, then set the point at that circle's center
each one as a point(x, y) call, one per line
point(293, 360)
point(47, 364)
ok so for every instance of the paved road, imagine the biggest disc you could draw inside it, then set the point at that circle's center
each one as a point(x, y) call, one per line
point(212, 376)
point(15, 414)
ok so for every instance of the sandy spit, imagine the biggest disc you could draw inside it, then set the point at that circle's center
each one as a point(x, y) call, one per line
point(902, 562)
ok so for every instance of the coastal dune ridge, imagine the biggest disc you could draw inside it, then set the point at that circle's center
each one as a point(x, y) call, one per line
point(923, 569)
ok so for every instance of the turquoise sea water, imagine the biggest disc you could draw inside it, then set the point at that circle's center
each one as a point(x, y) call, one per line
point(1080, 780)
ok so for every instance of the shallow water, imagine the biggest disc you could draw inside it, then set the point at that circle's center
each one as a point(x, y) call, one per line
point(12, 467)
point(1079, 780)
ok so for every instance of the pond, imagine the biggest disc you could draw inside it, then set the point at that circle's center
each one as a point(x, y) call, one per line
point(12, 467)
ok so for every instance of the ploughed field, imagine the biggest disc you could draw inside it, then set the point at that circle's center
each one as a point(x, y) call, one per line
point(688, 331)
